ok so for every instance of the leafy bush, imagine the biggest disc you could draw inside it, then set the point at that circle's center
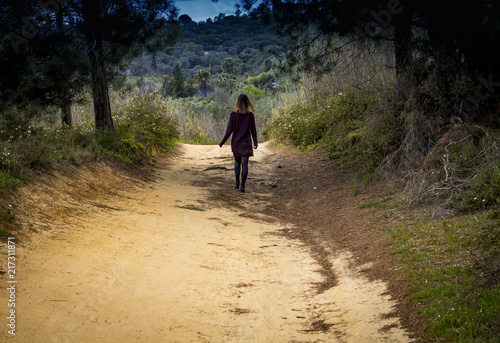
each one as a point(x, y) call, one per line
point(263, 80)
point(253, 92)
point(303, 125)
point(341, 122)
point(143, 130)
point(146, 129)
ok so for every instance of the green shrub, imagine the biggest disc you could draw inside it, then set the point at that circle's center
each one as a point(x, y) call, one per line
point(483, 191)
point(253, 92)
point(263, 80)
point(342, 122)
point(150, 128)
point(478, 161)
point(303, 125)
point(142, 130)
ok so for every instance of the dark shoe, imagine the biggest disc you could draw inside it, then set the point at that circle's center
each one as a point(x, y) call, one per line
point(237, 185)
point(242, 189)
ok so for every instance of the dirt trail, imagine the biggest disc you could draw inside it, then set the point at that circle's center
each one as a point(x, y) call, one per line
point(112, 259)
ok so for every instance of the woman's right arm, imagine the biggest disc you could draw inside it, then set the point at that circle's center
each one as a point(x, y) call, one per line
point(253, 131)
point(229, 130)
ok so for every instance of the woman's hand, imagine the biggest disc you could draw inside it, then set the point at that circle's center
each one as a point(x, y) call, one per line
point(255, 147)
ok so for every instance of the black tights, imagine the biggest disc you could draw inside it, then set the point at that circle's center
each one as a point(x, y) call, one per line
point(241, 163)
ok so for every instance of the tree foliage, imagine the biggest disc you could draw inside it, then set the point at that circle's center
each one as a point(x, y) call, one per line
point(174, 87)
point(202, 77)
point(466, 30)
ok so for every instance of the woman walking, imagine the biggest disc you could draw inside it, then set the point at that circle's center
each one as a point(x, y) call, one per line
point(242, 126)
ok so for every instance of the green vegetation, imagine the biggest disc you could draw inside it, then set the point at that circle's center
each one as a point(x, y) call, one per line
point(339, 122)
point(376, 205)
point(142, 131)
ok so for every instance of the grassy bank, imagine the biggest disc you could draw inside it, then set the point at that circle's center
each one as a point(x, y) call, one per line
point(143, 130)
point(452, 268)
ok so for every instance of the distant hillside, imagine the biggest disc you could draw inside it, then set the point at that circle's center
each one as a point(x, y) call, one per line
point(205, 45)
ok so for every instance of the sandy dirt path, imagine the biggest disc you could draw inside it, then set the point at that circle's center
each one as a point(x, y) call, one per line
point(156, 262)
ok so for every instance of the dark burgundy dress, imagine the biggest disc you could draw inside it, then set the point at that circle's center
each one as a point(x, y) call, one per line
point(242, 126)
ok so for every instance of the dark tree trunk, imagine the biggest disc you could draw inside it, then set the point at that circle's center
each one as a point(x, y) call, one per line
point(153, 63)
point(67, 120)
point(100, 91)
point(203, 91)
point(402, 37)
point(59, 18)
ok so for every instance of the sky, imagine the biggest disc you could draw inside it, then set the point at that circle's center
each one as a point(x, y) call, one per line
point(201, 10)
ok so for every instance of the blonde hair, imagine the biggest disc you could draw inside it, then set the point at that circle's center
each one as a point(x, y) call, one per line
point(244, 105)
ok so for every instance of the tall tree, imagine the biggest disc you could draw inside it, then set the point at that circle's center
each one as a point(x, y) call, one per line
point(117, 29)
point(91, 12)
point(174, 86)
point(107, 32)
point(229, 66)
